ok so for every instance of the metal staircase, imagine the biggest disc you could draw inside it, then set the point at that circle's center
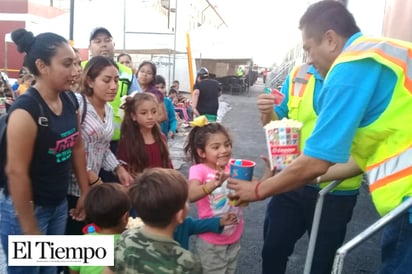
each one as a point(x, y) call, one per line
point(283, 71)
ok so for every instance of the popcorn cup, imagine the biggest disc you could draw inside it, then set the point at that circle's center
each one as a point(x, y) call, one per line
point(282, 138)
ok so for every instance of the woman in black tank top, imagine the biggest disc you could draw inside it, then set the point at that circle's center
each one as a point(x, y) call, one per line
point(43, 143)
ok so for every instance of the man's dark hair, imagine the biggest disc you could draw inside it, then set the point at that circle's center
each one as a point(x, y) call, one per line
point(328, 15)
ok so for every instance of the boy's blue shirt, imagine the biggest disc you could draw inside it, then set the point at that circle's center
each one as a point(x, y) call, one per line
point(195, 226)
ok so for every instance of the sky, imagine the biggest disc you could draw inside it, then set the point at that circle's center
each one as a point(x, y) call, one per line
point(270, 25)
point(263, 29)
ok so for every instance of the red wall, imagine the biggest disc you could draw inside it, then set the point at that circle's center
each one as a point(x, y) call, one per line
point(14, 58)
point(13, 6)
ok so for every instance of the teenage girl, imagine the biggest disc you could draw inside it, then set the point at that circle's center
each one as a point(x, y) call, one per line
point(43, 145)
point(142, 143)
point(210, 148)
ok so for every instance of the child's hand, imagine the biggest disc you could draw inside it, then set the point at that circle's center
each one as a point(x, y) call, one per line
point(228, 219)
point(171, 134)
point(220, 175)
point(268, 172)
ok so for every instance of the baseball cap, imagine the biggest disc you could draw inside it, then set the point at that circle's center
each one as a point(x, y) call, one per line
point(203, 72)
point(98, 30)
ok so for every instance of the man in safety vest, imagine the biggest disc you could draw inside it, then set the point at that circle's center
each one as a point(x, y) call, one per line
point(363, 111)
point(101, 43)
point(240, 71)
point(295, 209)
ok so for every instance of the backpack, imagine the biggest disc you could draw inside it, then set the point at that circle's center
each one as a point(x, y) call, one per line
point(42, 121)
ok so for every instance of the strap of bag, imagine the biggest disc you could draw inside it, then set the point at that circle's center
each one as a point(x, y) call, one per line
point(84, 109)
point(42, 121)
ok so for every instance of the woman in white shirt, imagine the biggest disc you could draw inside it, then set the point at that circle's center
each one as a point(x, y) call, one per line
point(98, 86)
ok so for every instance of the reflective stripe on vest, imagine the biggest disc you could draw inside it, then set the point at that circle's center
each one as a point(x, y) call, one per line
point(383, 148)
point(301, 92)
point(300, 80)
point(393, 51)
point(392, 169)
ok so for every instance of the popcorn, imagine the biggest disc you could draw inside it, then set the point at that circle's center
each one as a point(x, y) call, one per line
point(134, 223)
point(282, 138)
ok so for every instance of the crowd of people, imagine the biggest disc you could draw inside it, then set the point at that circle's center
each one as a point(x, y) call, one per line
point(87, 142)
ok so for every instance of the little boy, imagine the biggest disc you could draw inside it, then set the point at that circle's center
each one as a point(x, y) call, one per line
point(107, 206)
point(160, 196)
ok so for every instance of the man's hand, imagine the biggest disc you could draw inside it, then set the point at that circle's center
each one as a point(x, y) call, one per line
point(242, 191)
point(266, 103)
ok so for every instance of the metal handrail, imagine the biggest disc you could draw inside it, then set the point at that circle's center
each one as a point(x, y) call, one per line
point(368, 232)
point(283, 71)
point(315, 224)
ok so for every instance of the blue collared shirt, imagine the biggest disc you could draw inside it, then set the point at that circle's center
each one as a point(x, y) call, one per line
point(354, 95)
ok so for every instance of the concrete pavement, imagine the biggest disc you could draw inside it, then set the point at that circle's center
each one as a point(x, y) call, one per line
point(242, 119)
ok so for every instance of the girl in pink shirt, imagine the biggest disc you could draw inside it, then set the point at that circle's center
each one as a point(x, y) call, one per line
point(210, 148)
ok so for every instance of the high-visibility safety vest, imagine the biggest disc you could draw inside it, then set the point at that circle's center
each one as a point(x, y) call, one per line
point(239, 72)
point(125, 80)
point(384, 148)
point(300, 104)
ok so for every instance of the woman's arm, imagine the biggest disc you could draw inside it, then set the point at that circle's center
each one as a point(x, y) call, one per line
point(21, 136)
point(80, 171)
point(195, 100)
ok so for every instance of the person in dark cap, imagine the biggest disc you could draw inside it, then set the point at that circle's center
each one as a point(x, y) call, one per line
point(206, 94)
point(101, 42)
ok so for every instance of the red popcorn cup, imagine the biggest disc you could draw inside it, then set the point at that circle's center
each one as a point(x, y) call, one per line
point(282, 139)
